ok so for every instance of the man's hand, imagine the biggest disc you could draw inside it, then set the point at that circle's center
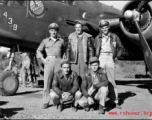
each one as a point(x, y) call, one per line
point(66, 95)
point(44, 61)
point(94, 86)
point(115, 59)
point(90, 101)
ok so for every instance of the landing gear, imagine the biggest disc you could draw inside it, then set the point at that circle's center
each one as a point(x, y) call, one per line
point(9, 82)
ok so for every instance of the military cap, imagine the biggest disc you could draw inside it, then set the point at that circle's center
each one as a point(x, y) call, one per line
point(103, 23)
point(64, 61)
point(53, 26)
point(93, 60)
point(78, 22)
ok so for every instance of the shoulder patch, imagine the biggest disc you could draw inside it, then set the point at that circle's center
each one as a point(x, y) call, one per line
point(88, 35)
point(61, 39)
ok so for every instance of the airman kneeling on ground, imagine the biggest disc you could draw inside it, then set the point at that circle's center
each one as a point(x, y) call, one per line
point(94, 86)
point(65, 84)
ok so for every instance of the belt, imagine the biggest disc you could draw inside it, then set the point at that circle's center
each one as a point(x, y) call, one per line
point(53, 56)
point(106, 53)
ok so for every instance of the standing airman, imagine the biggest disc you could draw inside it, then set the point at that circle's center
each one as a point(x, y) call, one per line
point(80, 49)
point(53, 46)
point(108, 50)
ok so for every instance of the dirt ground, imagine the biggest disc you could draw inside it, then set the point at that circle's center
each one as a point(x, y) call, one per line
point(135, 98)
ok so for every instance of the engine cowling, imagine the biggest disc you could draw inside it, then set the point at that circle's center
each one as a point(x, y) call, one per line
point(128, 26)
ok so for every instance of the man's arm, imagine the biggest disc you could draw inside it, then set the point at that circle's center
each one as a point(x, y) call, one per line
point(68, 48)
point(120, 47)
point(75, 85)
point(91, 47)
point(55, 85)
point(40, 50)
point(97, 46)
point(103, 83)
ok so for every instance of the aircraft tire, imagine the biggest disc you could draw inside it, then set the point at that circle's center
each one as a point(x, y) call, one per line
point(9, 83)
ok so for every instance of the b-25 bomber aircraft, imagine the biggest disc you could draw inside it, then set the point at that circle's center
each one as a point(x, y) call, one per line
point(24, 24)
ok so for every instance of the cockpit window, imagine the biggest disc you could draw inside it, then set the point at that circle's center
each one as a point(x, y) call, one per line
point(19, 2)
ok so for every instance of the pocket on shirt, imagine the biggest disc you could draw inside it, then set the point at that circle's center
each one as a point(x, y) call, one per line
point(58, 45)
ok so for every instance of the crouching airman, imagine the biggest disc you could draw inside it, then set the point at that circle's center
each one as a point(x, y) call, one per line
point(65, 85)
point(94, 86)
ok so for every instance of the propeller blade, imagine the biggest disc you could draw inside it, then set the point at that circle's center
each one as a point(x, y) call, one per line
point(145, 48)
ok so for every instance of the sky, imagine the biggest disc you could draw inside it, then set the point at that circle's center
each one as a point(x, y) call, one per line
point(116, 4)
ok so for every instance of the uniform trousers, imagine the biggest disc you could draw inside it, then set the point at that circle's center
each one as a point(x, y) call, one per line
point(100, 95)
point(51, 66)
point(80, 67)
point(107, 62)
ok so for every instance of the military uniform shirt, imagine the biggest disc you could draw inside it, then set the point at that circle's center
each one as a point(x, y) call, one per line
point(94, 78)
point(52, 48)
point(106, 47)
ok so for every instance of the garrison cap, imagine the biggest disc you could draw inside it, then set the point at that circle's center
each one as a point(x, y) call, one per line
point(103, 23)
point(93, 60)
point(53, 26)
point(64, 61)
point(78, 22)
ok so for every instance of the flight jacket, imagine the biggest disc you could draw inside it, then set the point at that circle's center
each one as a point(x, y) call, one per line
point(116, 50)
point(61, 84)
point(87, 81)
point(72, 50)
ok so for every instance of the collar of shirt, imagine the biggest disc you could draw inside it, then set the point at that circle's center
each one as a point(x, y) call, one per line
point(93, 73)
point(53, 39)
point(98, 71)
point(66, 76)
point(80, 36)
point(103, 35)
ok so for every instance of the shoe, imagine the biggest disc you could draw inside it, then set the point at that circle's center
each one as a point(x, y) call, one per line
point(45, 106)
point(91, 109)
point(56, 102)
point(74, 109)
point(118, 106)
point(32, 85)
point(101, 110)
point(115, 105)
point(86, 109)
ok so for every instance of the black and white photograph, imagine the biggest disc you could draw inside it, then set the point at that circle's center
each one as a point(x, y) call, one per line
point(75, 59)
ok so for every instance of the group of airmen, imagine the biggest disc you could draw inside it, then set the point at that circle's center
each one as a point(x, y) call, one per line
point(86, 73)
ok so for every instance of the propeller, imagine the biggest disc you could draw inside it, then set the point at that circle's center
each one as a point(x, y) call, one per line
point(135, 16)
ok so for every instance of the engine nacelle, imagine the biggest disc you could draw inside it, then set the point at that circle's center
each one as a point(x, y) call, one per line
point(128, 26)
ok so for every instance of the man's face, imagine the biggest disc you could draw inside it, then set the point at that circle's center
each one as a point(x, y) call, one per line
point(105, 29)
point(53, 32)
point(78, 28)
point(94, 66)
point(66, 68)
